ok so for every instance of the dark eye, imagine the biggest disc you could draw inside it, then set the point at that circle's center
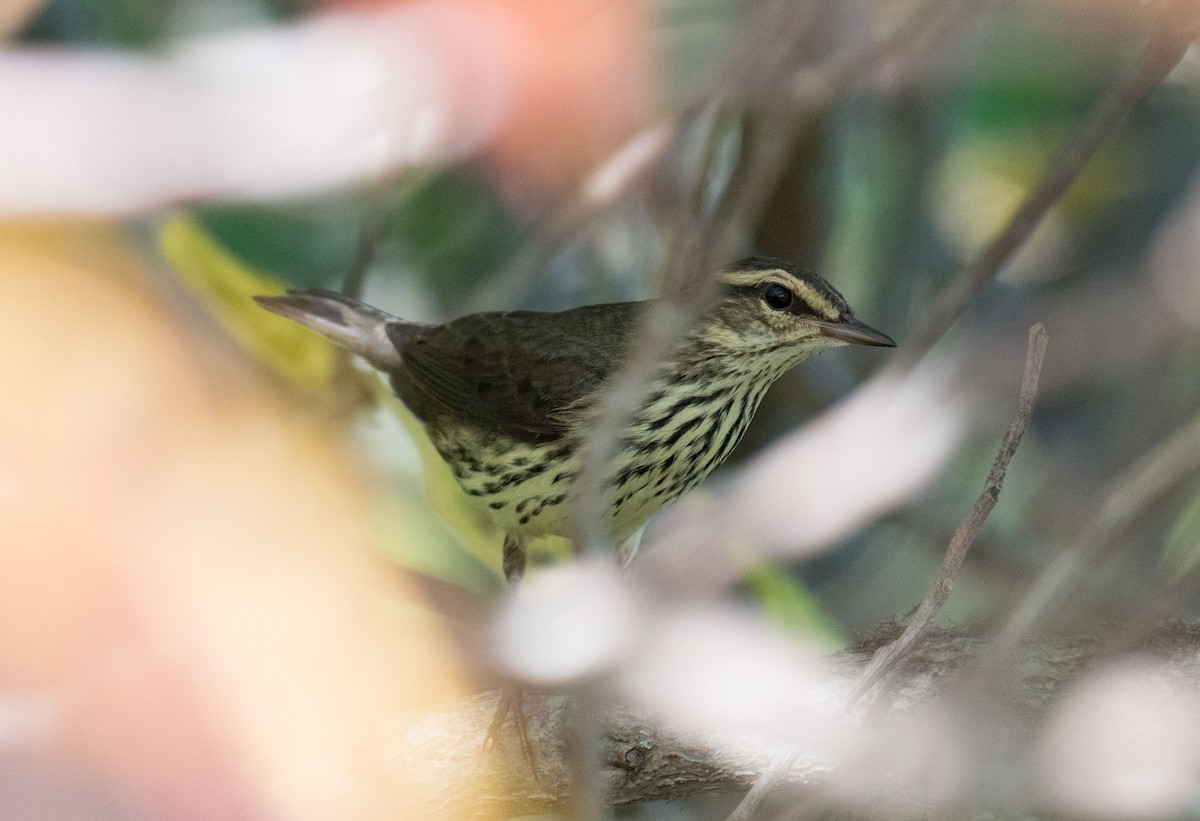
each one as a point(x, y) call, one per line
point(777, 296)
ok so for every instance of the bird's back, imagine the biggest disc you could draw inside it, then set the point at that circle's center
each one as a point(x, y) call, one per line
point(521, 374)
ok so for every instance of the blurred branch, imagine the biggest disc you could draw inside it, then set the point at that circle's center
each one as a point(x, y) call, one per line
point(703, 233)
point(930, 22)
point(889, 655)
point(1175, 27)
point(1167, 467)
point(372, 232)
point(645, 763)
point(260, 112)
point(808, 88)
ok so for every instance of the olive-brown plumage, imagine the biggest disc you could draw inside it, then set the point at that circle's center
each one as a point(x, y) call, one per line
point(506, 397)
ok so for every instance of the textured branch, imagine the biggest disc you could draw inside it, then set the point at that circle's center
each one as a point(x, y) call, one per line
point(886, 657)
point(642, 763)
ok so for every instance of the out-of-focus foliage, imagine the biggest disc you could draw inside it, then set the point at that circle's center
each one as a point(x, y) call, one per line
point(307, 243)
point(893, 189)
point(453, 232)
point(888, 191)
point(183, 574)
point(787, 599)
point(226, 285)
point(1181, 552)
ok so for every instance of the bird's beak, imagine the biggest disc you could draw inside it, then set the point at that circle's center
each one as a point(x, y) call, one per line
point(854, 332)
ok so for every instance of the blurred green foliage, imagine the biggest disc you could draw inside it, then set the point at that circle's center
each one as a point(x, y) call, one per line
point(308, 243)
point(453, 232)
point(1181, 553)
point(888, 193)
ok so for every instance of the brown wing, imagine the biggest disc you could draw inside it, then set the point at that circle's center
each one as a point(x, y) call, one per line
point(518, 373)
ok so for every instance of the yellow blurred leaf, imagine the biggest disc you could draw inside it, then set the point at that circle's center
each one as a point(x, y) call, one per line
point(226, 285)
point(152, 513)
point(478, 534)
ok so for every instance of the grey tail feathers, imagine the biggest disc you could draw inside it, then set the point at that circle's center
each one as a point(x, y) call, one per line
point(354, 325)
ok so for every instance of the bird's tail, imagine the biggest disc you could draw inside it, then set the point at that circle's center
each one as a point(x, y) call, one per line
point(354, 325)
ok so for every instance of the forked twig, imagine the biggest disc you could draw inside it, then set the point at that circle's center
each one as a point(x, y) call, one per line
point(886, 657)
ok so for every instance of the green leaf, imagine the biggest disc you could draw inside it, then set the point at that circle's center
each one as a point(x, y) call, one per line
point(1182, 550)
point(790, 603)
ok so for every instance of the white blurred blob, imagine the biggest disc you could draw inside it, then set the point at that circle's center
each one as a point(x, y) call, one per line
point(1124, 743)
point(610, 178)
point(571, 621)
point(264, 112)
point(920, 756)
point(26, 720)
point(862, 457)
point(705, 672)
point(1187, 71)
point(1175, 262)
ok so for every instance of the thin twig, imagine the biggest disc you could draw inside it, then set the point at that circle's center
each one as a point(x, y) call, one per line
point(888, 656)
point(583, 750)
point(698, 236)
point(371, 233)
point(1175, 28)
point(766, 783)
point(812, 88)
point(929, 23)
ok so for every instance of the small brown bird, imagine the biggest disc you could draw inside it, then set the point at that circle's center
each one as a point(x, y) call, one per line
point(505, 397)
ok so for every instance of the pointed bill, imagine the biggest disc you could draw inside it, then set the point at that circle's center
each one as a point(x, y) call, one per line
point(854, 332)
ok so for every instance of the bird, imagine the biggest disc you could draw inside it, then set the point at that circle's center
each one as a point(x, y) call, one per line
point(507, 398)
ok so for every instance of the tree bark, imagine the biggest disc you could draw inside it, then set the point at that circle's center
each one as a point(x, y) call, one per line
point(643, 763)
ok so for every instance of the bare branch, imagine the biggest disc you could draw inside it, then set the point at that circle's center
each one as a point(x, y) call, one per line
point(1175, 28)
point(442, 748)
point(1164, 469)
point(886, 657)
point(809, 89)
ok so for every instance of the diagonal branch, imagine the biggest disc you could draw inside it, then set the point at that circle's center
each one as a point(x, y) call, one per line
point(440, 751)
point(1177, 24)
point(887, 657)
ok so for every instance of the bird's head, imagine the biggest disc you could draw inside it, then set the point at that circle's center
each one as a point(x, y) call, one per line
point(771, 307)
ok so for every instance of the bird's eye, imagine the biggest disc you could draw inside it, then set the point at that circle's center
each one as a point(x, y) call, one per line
point(777, 296)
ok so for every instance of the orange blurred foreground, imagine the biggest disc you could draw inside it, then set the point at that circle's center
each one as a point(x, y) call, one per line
point(580, 75)
point(187, 577)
